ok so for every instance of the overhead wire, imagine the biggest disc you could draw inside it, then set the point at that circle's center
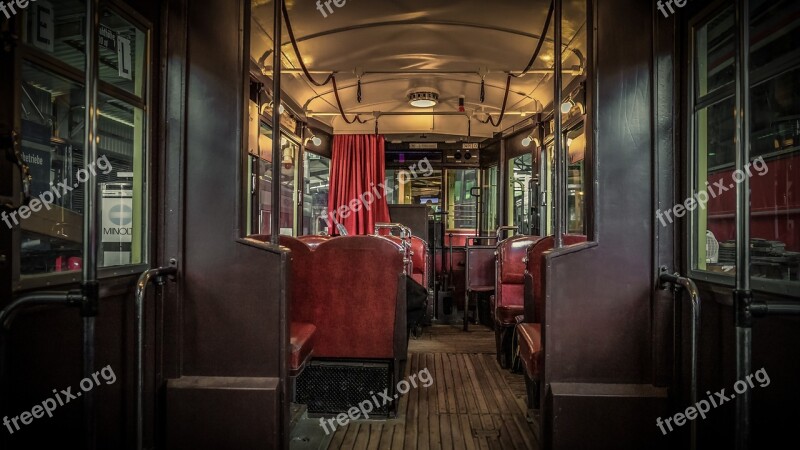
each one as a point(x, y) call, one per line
point(331, 77)
point(489, 118)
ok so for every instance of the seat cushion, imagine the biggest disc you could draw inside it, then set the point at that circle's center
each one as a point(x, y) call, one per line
point(507, 315)
point(301, 344)
point(530, 348)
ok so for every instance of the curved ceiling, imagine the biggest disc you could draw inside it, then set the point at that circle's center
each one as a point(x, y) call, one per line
point(393, 38)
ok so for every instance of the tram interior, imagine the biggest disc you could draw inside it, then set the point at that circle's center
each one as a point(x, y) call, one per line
point(472, 243)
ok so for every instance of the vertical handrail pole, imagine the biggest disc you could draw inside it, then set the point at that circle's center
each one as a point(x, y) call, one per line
point(694, 295)
point(742, 294)
point(560, 169)
point(141, 290)
point(276, 122)
point(89, 283)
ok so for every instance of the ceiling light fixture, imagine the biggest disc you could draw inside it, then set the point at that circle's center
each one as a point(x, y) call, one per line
point(268, 107)
point(566, 107)
point(423, 99)
point(527, 140)
point(314, 140)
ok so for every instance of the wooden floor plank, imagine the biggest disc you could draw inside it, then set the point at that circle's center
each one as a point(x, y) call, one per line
point(485, 388)
point(446, 432)
point(362, 438)
point(450, 389)
point(472, 404)
point(375, 431)
point(476, 386)
point(412, 414)
point(350, 437)
point(525, 430)
point(476, 424)
point(423, 425)
point(399, 437)
point(338, 438)
point(458, 386)
point(387, 432)
point(469, 387)
point(433, 406)
point(459, 442)
point(441, 395)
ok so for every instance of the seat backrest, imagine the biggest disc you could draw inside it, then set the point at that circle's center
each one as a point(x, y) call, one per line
point(480, 269)
point(354, 291)
point(313, 240)
point(511, 254)
point(459, 238)
point(420, 260)
point(302, 269)
point(534, 267)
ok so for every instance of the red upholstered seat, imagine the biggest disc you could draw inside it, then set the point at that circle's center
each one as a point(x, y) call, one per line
point(530, 348)
point(353, 293)
point(534, 268)
point(420, 259)
point(301, 345)
point(510, 293)
point(510, 298)
point(531, 352)
point(313, 240)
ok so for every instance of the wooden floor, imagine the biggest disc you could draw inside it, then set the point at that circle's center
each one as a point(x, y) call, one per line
point(472, 403)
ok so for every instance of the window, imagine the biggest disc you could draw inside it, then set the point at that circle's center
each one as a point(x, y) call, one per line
point(261, 185)
point(462, 206)
point(490, 217)
point(52, 116)
point(52, 145)
point(316, 181)
point(519, 188)
point(774, 165)
point(420, 190)
point(575, 141)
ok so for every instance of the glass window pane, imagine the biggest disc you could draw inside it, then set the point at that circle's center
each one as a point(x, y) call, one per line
point(419, 190)
point(490, 199)
point(261, 176)
point(715, 158)
point(715, 53)
point(315, 192)
point(774, 31)
point(461, 204)
point(58, 29)
point(550, 173)
point(576, 208)
point(775, 178)
point(121, 177)
point(520, 173)
point(52, 116)
point(122, 49)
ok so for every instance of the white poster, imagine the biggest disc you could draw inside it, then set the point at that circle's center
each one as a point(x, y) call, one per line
point(124, 58)
point(117, 223)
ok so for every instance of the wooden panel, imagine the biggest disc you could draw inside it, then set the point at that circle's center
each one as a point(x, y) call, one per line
point(220, 412)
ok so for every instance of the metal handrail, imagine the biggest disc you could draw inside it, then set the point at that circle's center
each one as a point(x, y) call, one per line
point(159, 277)
point(694, 295)
point(405, 239)
point(500, 231)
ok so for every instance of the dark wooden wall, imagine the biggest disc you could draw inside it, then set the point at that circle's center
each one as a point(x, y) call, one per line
point(226, 337)
point(598, 390)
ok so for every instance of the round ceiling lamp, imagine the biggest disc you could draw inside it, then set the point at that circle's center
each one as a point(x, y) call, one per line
point(423, 98)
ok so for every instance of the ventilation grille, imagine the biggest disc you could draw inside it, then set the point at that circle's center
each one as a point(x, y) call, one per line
point(332, 388)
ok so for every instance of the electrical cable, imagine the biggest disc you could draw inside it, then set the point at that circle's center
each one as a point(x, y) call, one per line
point(541, 41)
point(331, 77)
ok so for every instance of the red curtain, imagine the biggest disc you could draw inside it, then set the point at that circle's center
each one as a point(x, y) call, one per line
point(357, 195)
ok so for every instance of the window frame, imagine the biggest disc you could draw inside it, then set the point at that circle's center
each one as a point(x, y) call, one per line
point(30, 54)
point(693, 104)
